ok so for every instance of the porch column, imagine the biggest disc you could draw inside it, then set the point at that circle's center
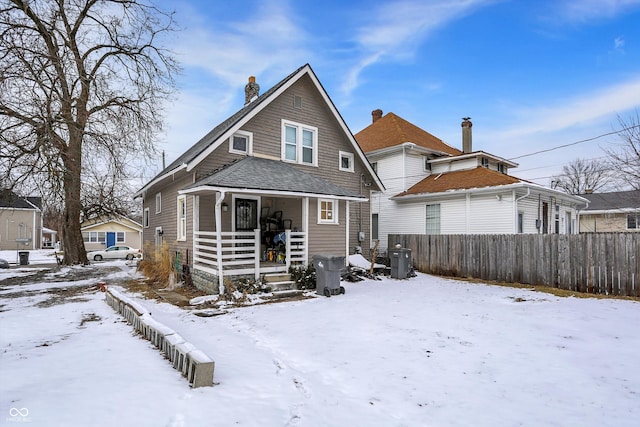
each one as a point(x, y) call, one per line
point(287, 256)
point(256, 252)
point(305, 228)
point(219, 199)
point(347, 214)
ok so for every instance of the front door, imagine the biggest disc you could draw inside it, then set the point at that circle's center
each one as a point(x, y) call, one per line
point(111, 238)
point(246, 214)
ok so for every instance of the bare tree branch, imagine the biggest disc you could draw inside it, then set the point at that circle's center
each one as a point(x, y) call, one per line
point(582, 176)
point(82, 85)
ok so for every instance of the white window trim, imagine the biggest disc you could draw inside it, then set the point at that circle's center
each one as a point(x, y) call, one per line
point(124, 237)
point(426, 166)
point(249, 136)
point(351, 160)
point(300, 127)
point(181, 221)
point(158, 203)
point(336, 209)
point(145, 218)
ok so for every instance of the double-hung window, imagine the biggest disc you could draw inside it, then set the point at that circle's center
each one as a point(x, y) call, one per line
point(299, 143)
point(433, 219)
point(158, 203)
point(633, 221)
point(182, 217)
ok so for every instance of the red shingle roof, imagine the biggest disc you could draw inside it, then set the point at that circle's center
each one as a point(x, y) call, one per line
point(392, 130)
point(461, 180)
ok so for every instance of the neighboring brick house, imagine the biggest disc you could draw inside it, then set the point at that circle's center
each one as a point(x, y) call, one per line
point(20, 221)
point(277, 182)
point(434, 188)
point(611, 212)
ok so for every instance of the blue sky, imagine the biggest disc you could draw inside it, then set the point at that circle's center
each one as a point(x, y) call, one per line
point(532, 75)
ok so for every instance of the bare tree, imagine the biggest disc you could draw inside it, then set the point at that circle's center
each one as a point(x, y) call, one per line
point(581, 176)
point(626, 155)
point(79, 80)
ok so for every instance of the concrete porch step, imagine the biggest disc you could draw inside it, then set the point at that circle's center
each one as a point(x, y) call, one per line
point(276, 277)
point(279, 281)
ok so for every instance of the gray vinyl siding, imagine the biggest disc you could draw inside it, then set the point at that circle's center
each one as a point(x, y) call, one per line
point(266, 130)
point(326, 238)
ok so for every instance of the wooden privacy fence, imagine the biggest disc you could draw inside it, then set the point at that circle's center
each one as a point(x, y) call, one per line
point(606, 263)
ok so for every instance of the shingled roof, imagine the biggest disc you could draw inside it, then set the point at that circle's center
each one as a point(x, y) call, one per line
point(219, 130)
point(613, 201)
point(255, 173)
point(391, 130)
point(9, 199)
point(479, 177)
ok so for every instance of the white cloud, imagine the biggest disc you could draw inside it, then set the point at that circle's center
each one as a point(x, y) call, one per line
point(589, 10)
point(395, 30)
point(266, 40)
point(618, 44)
point(597, 105)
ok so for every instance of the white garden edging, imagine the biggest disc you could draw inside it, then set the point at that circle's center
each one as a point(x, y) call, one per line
point(196, 366)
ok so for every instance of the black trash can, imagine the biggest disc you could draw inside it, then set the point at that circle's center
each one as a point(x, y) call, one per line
point(328, 274)
point(24, 257)
point(400, 262)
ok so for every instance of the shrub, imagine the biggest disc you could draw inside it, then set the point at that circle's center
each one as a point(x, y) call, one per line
point(305, 277)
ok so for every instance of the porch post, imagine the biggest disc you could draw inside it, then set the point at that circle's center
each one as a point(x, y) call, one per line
point(256, 252)
point(287, 246)
point(219, 199)
point(347, 214)
point(305, 228)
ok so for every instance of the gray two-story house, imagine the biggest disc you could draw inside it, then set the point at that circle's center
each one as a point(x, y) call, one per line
point(277, 182)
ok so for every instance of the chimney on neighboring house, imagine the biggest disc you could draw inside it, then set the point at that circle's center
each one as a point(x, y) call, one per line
point(466, 135)
point(251, 90)
point(376, 114)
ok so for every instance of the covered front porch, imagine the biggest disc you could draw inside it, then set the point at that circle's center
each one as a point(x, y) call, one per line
point(252, 218)
point(251, 234)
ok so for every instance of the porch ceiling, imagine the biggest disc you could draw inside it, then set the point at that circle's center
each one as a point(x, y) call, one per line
point(254, 173)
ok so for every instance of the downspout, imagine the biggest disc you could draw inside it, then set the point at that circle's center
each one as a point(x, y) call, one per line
point(515, 209)
point(579, 212)
point(219, 198)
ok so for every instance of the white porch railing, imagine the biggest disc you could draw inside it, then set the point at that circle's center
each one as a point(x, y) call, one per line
point(239, 253)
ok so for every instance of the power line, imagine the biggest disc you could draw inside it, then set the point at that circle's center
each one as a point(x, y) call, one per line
point(575, 143)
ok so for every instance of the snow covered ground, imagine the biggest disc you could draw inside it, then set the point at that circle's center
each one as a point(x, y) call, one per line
point(420, 352)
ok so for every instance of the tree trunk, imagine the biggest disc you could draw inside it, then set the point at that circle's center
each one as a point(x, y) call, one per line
point(72, 241)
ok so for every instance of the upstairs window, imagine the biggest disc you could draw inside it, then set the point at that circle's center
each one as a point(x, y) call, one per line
point(427, 164)
point(299, 143)
point(145, 218)
point(485, 162)
point(158, 203)
point(346, 161)
point(502, 168)
point(241, 142)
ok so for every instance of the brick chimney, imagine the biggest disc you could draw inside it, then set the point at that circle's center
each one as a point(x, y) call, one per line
point(376, 114)
point(466, 135)
point(251, 90)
